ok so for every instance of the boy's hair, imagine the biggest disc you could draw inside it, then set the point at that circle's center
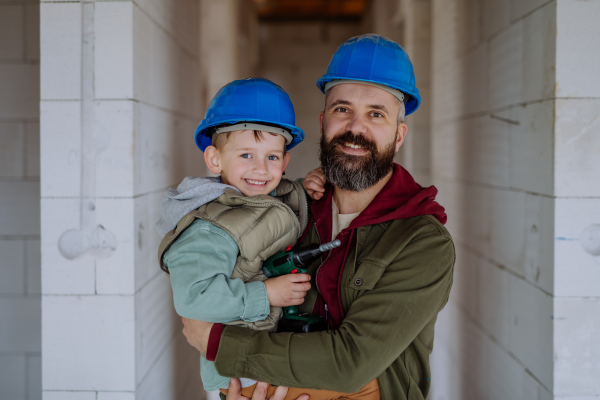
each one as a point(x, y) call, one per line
point(220, 139)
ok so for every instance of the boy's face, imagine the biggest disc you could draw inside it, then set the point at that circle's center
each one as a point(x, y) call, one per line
point(253, 167)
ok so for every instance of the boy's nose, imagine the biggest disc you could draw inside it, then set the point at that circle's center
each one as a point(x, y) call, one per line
point(260, 167)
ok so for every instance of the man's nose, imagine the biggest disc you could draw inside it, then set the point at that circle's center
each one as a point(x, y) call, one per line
point(357, 124)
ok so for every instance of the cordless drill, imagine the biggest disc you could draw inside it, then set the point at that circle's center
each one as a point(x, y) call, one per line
point(294, 260)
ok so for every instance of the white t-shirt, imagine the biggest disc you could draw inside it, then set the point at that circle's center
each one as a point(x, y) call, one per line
point(340, 221)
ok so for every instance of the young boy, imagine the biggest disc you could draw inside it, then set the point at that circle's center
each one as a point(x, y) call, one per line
point(219, 229)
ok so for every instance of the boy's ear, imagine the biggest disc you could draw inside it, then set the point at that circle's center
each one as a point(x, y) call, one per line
point(212, 159)
point(286, 160)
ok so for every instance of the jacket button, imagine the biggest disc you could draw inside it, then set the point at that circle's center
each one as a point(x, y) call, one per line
point(358, 281)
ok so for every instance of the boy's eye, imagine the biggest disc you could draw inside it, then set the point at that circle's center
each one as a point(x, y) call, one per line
point(272, 158)
point(246, 155)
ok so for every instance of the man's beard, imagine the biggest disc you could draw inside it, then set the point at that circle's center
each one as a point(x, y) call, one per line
point(355, 173)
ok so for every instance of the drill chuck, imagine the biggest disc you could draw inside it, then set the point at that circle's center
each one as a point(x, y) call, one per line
point(303, 256)
point(328, 246)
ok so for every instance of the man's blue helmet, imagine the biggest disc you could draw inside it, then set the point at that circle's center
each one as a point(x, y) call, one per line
point(252, 100)
point(375, 59)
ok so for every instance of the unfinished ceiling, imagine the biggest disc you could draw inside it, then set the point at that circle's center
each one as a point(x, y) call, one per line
point(311, 9)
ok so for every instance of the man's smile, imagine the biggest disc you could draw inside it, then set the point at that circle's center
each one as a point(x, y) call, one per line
point(354, 149)
point(352, 145)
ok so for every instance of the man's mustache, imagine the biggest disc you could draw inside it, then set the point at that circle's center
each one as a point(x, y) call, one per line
point(359, 140)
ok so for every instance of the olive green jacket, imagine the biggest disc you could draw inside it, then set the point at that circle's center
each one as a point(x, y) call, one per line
point(405, 268)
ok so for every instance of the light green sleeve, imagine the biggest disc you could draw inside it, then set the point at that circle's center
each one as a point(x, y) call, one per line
point(200, 263)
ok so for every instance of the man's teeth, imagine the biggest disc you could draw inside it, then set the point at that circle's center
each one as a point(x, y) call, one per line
point(352, 146)
point(256, 182)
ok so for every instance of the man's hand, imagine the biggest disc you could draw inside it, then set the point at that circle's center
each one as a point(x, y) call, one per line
point(287, 290)
point(314, 183)
point(260, 393)
point(197, 333)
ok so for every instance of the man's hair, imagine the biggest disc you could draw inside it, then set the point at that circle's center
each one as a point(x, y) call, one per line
point(220, 139)
point(401, 106)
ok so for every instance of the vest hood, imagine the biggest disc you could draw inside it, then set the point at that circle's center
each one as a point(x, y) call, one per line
point(191, 193)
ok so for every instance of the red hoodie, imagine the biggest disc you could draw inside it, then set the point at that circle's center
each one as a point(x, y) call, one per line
point(400, 198)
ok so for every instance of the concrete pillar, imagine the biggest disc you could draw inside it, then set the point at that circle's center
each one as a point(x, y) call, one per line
point(219, 30)
point(415, 21)
point(20, 304)
point(229, 43)
point(120, 99)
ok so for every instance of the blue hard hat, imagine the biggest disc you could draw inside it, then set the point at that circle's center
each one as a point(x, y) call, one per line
point(255, 100)
point(374, 58)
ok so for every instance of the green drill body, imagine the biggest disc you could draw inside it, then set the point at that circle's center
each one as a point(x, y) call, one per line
point(295, 260)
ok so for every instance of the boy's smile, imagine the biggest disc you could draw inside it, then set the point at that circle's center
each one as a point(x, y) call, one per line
point(253, 166)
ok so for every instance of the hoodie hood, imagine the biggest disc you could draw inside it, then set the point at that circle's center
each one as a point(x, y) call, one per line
point(191, 193)
point(400, 198)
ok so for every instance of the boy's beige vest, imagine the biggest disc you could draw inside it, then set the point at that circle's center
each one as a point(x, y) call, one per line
point(260, 225)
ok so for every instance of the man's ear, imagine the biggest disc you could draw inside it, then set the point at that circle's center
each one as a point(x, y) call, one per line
point(213, 159)
point(401, 134)
point(321, 121)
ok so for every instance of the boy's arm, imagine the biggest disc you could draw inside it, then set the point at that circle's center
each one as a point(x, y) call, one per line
point(200, 263)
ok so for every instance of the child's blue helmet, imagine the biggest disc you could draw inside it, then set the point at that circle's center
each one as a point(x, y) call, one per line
point(374, 59)
point(259, 103)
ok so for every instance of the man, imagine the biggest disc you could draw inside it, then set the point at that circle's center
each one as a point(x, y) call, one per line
point(382, 289)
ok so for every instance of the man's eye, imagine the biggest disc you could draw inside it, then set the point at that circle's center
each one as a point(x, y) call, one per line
point(341, 109)
point(246, 155)
point(377, 115)
point(272, 158)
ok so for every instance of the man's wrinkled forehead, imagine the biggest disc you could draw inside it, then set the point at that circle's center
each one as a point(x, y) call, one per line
point(354, 94)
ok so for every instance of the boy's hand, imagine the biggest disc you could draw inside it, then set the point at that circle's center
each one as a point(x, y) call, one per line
point(314, 184)
point(287, 290)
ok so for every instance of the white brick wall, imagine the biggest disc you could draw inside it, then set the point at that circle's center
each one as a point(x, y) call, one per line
point(20, 306)
point(514, 152)
point(109, 328)
point(577, 143)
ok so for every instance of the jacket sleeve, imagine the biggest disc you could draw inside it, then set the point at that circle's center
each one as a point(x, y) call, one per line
point(200, 263)
point(379, 326)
